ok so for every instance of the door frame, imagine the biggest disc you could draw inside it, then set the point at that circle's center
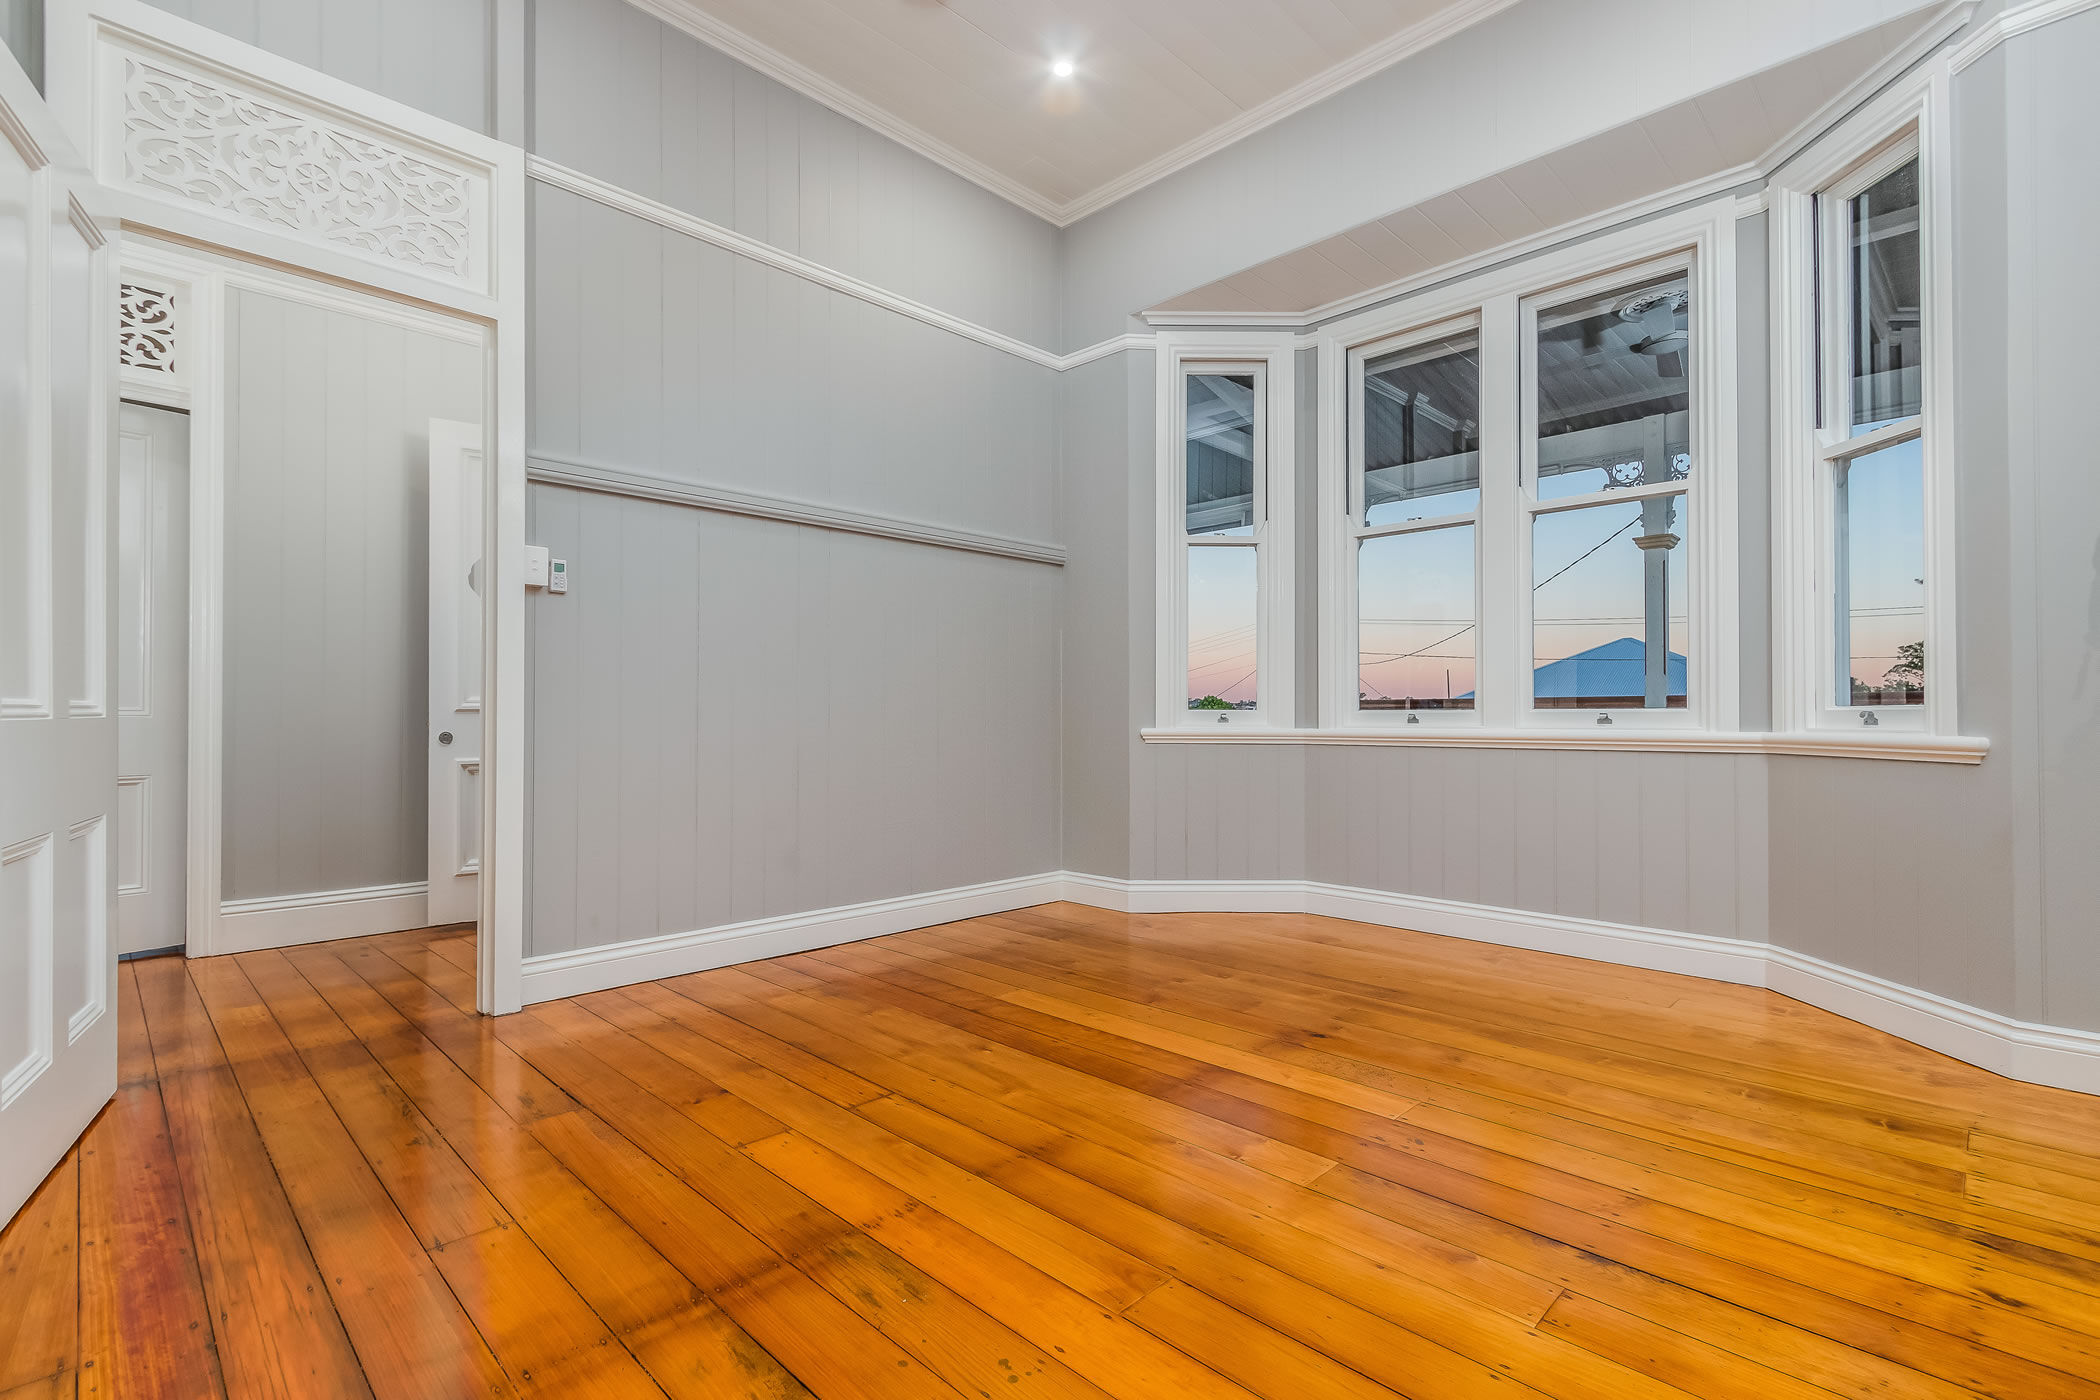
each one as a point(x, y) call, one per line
point(203, 235)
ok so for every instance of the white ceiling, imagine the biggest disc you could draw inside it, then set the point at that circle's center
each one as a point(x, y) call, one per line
point(1730, 135)
point(1160, 83)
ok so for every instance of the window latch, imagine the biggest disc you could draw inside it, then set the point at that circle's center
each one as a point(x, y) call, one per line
point(1869, 718)
point(1414, 719)
point(1603, 717)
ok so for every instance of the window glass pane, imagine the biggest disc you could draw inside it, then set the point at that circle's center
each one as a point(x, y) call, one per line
point(1422, 431)
point(1608, 606)
point(1885, 361)
point(1615, 390)
point(1222, 654)
point(1880, 516)
point(1416, 639)
point(1221, 454)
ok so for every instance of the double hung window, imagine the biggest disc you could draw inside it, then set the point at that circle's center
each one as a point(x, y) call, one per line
point(1224, 542)
point(1524, 497)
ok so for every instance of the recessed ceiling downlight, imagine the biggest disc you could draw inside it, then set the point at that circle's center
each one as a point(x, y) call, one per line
point(1063, 68)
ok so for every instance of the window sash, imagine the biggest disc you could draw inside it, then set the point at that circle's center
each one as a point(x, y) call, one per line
point(1698, 709)
point(1836, 444)
point(1356, 533)
point(1265, 361)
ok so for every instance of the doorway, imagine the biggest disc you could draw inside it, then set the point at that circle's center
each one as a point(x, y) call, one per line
point(153, 589)
point(301, 528)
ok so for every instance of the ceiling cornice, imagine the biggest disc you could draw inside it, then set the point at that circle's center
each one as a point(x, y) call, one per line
point(1319, 87)
point(688, 16)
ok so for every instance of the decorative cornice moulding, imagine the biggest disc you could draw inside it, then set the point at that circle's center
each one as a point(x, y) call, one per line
point(689, 17)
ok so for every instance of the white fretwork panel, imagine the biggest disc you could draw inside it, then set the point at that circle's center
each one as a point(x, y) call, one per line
point(263, 162)
point(146, 336)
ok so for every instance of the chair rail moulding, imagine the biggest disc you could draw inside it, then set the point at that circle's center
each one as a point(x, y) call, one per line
point(261, 171)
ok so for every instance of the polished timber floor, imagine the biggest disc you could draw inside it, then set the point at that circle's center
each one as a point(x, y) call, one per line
point(1053, 1153)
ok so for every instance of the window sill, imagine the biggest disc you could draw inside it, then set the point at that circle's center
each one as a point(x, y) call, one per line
point(1908, 748)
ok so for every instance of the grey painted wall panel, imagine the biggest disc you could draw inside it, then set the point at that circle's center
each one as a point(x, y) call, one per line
point(736, 718)
point(657, 353)
point(1094, 525)
point(22, 30)
point(327, 617)
point(2051, 113)
point(629, 99)
point(433, 55)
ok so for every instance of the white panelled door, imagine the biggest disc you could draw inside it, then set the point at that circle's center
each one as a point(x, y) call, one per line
point(455, 671)
point(153, 589)
point(58, 731)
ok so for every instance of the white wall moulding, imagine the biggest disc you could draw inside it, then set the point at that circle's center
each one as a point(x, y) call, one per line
point(1574, 166)
point(556, 975)
point(693, 19)
point(585, 476)
point(1909, 748)
point(640, 206)
point(2010, 23)
point(246, 925)
point(2052, 1055)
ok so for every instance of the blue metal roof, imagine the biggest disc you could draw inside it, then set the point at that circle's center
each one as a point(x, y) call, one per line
point(1615, 668)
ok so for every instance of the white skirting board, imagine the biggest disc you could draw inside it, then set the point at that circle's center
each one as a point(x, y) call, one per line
point(2052, 1055)
point(555, 975)
point(2064, 1058)
point(284, 921)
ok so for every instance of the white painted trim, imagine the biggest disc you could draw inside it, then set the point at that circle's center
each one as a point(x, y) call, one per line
point(1942, 25)
point(589, 476)
point(1677, 197)
point(554, 975)
point(691, 18)
point(1916, 109)
point(84, 36)
point(283, 921)
point(1374, 59)
point(2025, 1050)
point(1897, 746)
point(1502, 302)
point(641, 206)
point(2052, 1055)
point(2010, 23)
point(1273, 360)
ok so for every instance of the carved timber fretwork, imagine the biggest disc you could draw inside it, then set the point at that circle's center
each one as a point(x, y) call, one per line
point(264, 164)
point(146, 329)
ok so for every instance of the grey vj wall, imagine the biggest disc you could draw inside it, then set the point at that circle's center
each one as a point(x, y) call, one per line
point(327, 593)
point(735, 718)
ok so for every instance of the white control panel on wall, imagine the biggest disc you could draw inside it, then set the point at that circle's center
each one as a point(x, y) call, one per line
point(542, 572)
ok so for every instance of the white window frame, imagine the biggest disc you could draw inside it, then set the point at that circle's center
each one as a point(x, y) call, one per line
point(1271, 360)
point(1700, 240)
point(1912, 118)
point(1353, 532)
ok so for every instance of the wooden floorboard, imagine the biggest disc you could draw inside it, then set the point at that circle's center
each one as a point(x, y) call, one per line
point(1059, 1153)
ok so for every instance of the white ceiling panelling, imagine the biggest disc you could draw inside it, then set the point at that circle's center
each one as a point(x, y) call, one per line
point(1160, 83)
point(1724, 135)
